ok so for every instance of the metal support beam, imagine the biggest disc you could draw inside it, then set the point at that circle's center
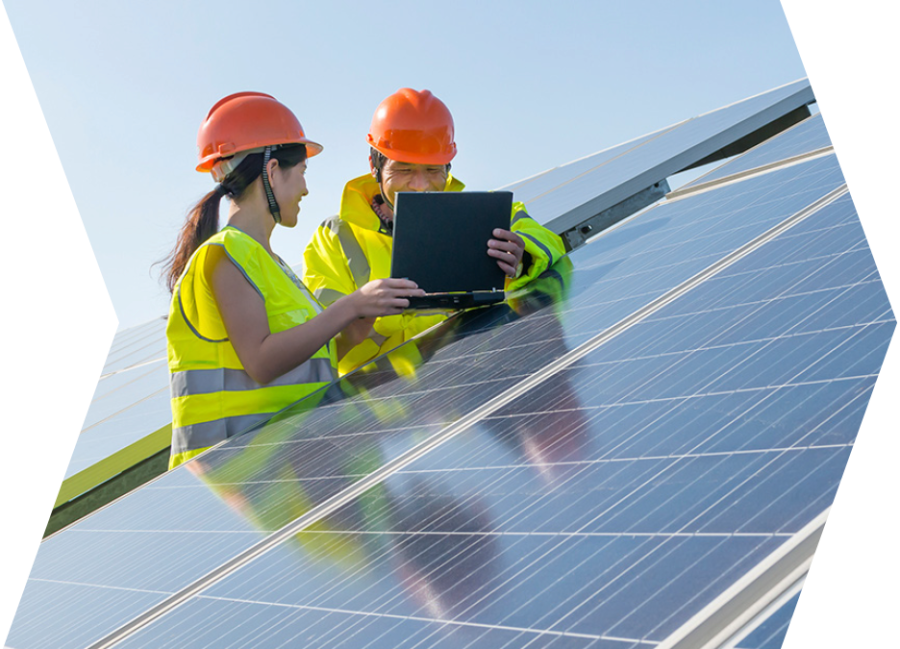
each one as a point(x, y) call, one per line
point(596, 224)
point(758, 136)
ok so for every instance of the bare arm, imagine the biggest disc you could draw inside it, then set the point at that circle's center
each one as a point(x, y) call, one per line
point(266, 356)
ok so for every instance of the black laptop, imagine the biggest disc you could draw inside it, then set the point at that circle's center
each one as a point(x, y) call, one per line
point(440, 243)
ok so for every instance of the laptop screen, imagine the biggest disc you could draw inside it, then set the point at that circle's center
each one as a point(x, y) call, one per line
point(440, 239)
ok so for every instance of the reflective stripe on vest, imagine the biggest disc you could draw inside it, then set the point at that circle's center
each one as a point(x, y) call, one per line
point(209, 433)
point(356, 258)
point(328, 295)
point(213, 397)
point(315, 370)
point(540, 245)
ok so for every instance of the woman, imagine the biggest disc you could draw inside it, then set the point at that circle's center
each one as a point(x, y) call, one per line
point(245, 337)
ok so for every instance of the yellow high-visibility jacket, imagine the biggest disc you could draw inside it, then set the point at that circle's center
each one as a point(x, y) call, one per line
point(213, 397)
point(349, 250)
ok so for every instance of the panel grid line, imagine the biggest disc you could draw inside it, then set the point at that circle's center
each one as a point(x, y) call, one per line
point(418, 618)
point(693, 190)
point(569, 463)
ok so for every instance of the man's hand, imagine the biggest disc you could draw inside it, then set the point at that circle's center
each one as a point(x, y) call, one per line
point(507, 248)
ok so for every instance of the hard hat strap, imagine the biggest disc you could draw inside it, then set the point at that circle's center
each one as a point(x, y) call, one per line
point(378, 160)
point(386, 223)
point(273, 204)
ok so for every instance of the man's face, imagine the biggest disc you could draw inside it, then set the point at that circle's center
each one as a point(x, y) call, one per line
point(408, 177)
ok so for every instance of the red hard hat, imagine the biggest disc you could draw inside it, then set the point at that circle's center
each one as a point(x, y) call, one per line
point(412, 126)
point(245, 121)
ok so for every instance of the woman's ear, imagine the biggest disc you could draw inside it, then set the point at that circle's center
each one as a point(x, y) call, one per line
point(271, 166)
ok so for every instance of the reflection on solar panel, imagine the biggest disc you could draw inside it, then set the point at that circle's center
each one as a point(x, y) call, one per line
point(127, 431)
point(637, 450)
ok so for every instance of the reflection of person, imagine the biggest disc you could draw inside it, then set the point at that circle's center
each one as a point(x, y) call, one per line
point(444, 548)
point(437, 545)
point(245, 336)
point(412, 144)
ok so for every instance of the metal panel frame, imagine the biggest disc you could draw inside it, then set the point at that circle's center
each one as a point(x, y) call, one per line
point(725, 616)
point(729, 141)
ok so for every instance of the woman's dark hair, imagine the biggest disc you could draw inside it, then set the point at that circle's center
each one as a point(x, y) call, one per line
point(203, 220)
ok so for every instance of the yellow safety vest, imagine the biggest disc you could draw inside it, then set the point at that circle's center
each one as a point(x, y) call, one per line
point(349, 250)
point(213, 397)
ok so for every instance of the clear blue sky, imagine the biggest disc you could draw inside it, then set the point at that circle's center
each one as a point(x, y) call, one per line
point(532, 85)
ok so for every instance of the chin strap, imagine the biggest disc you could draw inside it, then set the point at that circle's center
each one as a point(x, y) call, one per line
point(380, 202)
point(379, 205)
point(273, 204)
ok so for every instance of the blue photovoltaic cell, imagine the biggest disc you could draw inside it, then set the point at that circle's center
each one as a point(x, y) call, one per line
point(131, 400)
point(142, 383)
point(145, 345)
point(125, 427)
point(115, 392)
point(685, 236)
point(613, 502)
point(469, 360)
point(121, 560)
point(805, 137)
point(770, 634)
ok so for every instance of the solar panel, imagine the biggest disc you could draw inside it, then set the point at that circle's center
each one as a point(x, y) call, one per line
point(654, 464)
point(126, 434)
point(131, 400)
point(577, 513)
point(807, 137)
point(570, 196)
point(139, 415)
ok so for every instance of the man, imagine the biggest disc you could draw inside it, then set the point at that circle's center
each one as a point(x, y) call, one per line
point(412, 144)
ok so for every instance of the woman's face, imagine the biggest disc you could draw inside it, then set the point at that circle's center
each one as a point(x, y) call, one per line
point(289, 190)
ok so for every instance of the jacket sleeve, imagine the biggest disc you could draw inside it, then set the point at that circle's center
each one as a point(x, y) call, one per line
point(543, 248)
point(325, 269)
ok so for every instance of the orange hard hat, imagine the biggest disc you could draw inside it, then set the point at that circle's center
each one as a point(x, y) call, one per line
point(412, 126)
point(244, 122)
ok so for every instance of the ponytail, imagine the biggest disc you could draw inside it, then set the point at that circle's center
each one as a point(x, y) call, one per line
point(203, 220)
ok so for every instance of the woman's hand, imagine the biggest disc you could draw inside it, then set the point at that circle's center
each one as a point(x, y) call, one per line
point(265, 355)
point(383, 297)
point(507, 248)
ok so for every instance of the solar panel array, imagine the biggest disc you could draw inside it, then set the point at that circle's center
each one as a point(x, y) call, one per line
point(132, 396)
point(126, 434)
point(587, 465)
point(131, 400)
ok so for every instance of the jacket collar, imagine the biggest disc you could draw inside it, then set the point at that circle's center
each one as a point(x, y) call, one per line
point(356, 201)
